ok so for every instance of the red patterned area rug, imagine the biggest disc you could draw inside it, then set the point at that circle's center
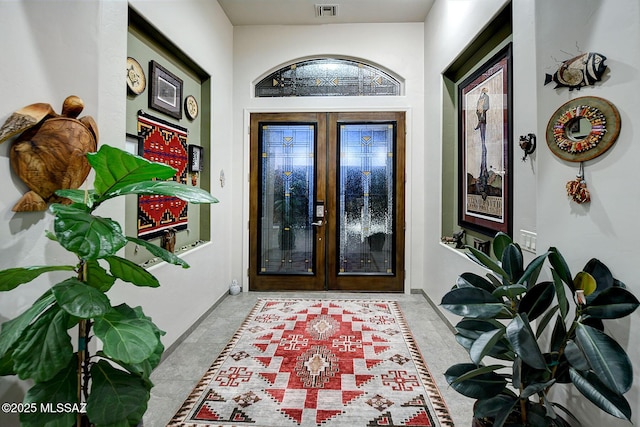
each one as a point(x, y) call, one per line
point(334, 363)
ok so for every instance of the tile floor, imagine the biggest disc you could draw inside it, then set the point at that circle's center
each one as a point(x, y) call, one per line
point(184, 366)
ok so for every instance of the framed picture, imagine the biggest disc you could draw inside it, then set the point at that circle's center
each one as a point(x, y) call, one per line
point(484, 150)
point(195, 158)
point(166, 91)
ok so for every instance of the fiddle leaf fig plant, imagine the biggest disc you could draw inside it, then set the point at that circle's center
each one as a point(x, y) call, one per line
point(524, 336)
point(71, 386)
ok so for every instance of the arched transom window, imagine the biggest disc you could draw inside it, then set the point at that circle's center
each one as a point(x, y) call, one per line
point(328, 77)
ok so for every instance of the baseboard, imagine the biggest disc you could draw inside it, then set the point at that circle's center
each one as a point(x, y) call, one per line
point(191, 328)
point(435, 308)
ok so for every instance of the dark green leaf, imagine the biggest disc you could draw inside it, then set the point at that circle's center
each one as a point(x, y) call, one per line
point(531, 273)
point(494, 407)
point(500, 242)
point(563, 303)
point(14, 277)
point(485, 344)
point(480, 383)
point(524, 342)
point(12, 330)
point(536, 388)
point(162, 253)
point(600, 395)
point(509, 291)
point(537, 300)
point(601, 273)
point(473, 328)
point(560, 265)
point(62, 388)
point(612, 303)
point(6, 364)
point(81, 300)
point(116, 168)
point(89, 237)
point(605, 356)
point(559, 335)
point(97, 277)
point(575, 356)
point(512, 262)
point(542, 323)
point(131, 272)
point(126, 337)
point(45, 347)
point(481, 258)
point(116, 396)
point(472, 302)
point(167, 188)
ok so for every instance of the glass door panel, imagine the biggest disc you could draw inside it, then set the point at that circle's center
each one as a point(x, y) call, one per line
point(366, 203)
point(287, 183)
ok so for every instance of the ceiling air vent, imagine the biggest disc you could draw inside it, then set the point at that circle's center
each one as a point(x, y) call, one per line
point(326, 10)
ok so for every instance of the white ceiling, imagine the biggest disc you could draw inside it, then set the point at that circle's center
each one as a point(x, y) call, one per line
point(303, 12)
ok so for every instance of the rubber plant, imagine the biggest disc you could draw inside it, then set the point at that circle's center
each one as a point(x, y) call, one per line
point(72, 386)
point(515, 362)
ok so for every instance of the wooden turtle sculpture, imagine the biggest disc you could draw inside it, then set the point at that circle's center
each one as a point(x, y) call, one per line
point(50, 153)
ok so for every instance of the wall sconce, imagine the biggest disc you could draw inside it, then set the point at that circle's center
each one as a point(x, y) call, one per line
point(528, 144)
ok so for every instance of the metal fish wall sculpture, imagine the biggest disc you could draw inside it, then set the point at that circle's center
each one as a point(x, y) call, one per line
point(583, 70)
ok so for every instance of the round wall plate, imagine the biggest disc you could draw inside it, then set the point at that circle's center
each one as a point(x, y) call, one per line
point(136, 80)
point(191, 107)
point(583, 128)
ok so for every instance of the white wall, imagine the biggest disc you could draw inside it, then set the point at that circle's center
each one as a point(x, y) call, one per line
point(396, 47)
point(51, 49)
point(544, 31)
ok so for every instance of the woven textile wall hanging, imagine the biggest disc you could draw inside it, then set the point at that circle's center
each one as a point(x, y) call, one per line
point(162, 142)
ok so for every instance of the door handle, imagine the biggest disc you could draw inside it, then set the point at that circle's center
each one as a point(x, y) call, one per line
point(318, 223)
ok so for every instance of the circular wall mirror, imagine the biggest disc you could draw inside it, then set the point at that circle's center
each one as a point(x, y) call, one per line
point(583, 128)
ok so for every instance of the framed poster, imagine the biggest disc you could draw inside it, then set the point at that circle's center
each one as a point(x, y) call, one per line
point(484, 151)
point(166, 91)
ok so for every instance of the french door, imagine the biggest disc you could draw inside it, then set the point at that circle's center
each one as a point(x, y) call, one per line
point(327, 201)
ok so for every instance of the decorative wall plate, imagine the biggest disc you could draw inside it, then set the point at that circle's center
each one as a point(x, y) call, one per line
point(136, 80)
point(583, 128)
point(191, 107)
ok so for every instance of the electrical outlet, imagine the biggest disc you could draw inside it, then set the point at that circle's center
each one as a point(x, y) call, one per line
point(528, 240)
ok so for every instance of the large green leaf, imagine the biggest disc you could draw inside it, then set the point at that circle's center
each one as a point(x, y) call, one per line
point(472, 302)
point(509, 291)
point(521, 337)
point(563, 303)
point(88, 236)
point(558, 336)
point(531, 273)
point(85, 197)
point(481, 258)
point(575, 356)
point(606, 357)
point(116, 169)
point(537, 300)
point(81, 300)
point(14, 277)
point(97, 277)
point(560, 265)
point(45, 348)
point(612, 303)
point(493, 407)
point(162, 253)
point(62, 388)
point(474, 280)
point(484, 344)
point(500, 242)
point(600, 272)
point(167, 188)
point(125, 336)
point(116, 396)
point(542, 323)
point(12, 330)
point(131, 272)
point(600, 395)
point(480, 383)
point(473, 328)
point(512, 262)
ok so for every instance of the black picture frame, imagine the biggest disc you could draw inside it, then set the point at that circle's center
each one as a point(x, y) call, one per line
point(196, 154)
point(166, 91)
point(485, 144)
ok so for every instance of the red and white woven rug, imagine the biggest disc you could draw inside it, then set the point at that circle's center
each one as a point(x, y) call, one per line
point(334, 363)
